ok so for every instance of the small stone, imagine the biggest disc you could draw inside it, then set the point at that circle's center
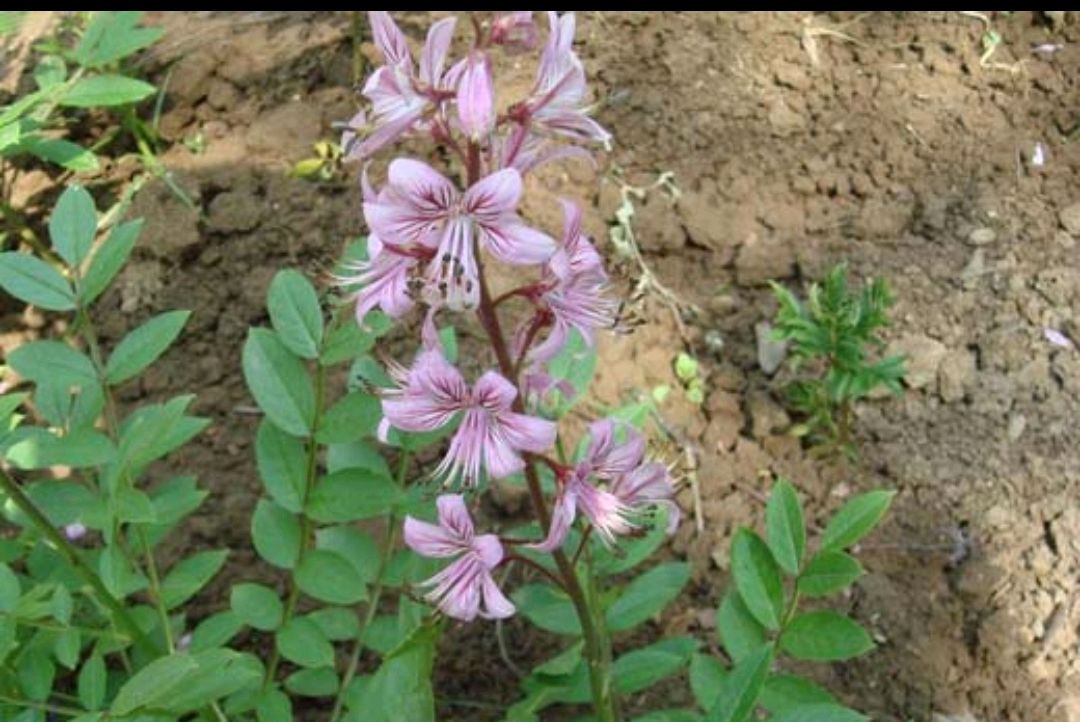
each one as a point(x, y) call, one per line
point(982, 236)
point(956, 375)
point(770, 351)
point(766, 416)
point(922, 357)
point(233, 211)
point(1017, 424)
point(1070, 218)
point(974, 270)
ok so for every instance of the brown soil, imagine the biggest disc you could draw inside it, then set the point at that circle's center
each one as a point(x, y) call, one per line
point(795, 141)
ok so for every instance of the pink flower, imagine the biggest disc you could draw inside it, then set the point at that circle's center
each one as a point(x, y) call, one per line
point(421, 206)
point(384, 279)
point(557, 99)
point(466, 588)
point(490, 437)
point(476, 97)
point(631, 486)
point(574, 289)
point(515, 32)
point(401, 99)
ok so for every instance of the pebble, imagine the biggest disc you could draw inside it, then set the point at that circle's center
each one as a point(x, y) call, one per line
point(1017, 424)
point(1070, 218)
point(770, 352)
point(982, 236)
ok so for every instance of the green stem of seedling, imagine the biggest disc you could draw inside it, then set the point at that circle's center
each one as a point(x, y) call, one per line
point(69, 552)
point(155, 589)
point(376, 596)
point(305, 521)
point(87, 631)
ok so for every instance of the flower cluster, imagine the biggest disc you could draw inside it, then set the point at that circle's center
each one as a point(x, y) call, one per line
point(430, 240)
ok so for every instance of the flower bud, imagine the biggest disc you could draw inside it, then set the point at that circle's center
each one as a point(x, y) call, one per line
point(476, 97)
point(515, 32)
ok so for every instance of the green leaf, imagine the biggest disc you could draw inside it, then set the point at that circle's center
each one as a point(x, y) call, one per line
point(257, 606)
point(785, 692)
point(337, 623)
point(112, 36)
point(302, 642)
point(45, 361)
point(215, 631)
point(276, 534)
point(36, 673)
point(144, 345)
point(740, 689)
point(828, 573)
point(707, 675)
point(358, 548)
point(156, 681)
point(670, 715)
point(401, 688)
point(329, 577)
point(547, 608)
point(642, 668)
point(820, 713)
point(106, 90)
point(109, 258)
point(10, 589)
point(322, 682)
point(92, 682)
point(176, 498)
point(351, 495)
point(647, 595)
point(740, 633)
point(855, 519)
point(576, 363)
point(825, 636)
point(354, 416)
point(187, 577)
point(279, 382)
point(220, 672)
point(757, 578)
point(295, 313)
point(282, 462)
point(73, 225)
point(30, 279)
point(632, 550)
point(274, 705)
point(67, 646)
point(786, 532)
point(79, 449)
point(71, 156)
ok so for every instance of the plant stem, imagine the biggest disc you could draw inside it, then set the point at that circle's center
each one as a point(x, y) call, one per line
point(376, 596)
point(43, 706)
point(305, 520)
point(597, 648)
point(69, 552)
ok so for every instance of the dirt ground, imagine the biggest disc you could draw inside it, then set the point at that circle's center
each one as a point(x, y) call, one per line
point(794, 141)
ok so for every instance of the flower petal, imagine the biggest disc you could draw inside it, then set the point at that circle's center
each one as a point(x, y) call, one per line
point(528, 432)
point(511, 241)
point(429, 540)
point(494, 392)
point(476, 97)
point(562, 516)
point(389, 39)
point(423, 186)
point(494, 196)
point(494, 604)
point(489, 550)
point(436, 46)
point(454, 516)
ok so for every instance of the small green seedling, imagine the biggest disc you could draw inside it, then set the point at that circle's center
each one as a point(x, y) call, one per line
point(829, 336)
point(760, 623)
point(689, 372)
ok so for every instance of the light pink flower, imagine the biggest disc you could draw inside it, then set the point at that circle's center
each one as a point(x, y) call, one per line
point(75, 531)
point(419, 205)
point(402, 100)
point(476, 97)
point(573, 291)
point(557, 101)
point(525, 150)
point(515, 32)
point(465, 589)
point(631, 486)
point(384, 280)
point(491, 435)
